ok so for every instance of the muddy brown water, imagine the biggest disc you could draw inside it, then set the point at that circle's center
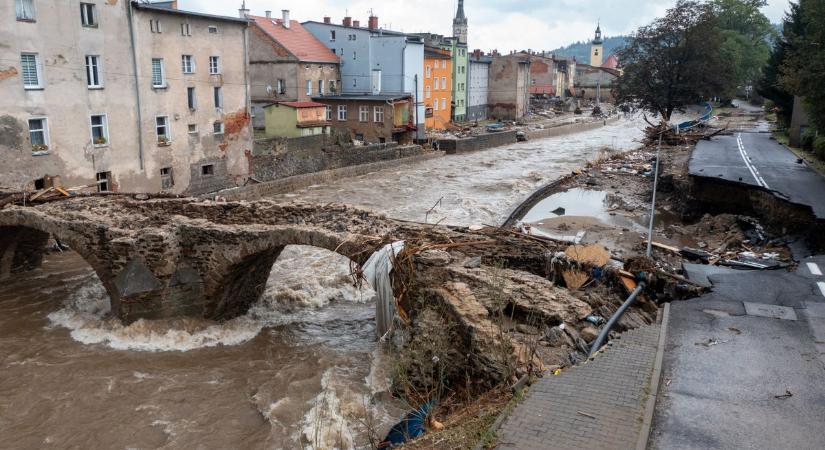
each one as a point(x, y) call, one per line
point(301, 370)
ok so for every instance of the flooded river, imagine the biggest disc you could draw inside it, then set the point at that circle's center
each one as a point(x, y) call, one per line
point(301, 370)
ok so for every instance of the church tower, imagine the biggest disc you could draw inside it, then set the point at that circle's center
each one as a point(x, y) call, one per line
point(460, 24)
point(597, 49)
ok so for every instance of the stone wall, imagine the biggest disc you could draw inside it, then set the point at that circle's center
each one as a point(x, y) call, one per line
point(289, 184)
point(570, 128)
point(480, 142)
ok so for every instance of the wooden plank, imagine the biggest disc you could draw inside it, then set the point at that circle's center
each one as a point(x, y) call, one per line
point(39, 194)
point(667, 247)
point(62, 191)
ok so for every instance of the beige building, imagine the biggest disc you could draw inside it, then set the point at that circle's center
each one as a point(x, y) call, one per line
point(510, 82)
point(122, 96)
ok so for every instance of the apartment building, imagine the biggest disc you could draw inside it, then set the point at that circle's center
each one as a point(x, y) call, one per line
point(122, 96)
point(438, 93)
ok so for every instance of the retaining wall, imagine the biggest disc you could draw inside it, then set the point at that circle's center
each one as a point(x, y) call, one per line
point(569, 129)
point(480, 142)
point(289, 184)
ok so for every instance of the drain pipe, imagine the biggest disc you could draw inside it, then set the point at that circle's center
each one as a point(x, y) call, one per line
point(618, 315)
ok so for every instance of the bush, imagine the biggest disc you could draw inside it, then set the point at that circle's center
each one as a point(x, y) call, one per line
point(819, 147)
point(769, 106)
point(807, 140)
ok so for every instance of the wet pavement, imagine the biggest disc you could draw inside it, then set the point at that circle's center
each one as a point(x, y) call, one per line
point(744, 366)
point(754, 159)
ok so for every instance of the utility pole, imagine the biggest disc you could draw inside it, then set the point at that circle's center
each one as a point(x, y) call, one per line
point(415, 106)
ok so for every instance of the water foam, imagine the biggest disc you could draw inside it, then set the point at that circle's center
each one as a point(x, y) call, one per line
point(302, 278)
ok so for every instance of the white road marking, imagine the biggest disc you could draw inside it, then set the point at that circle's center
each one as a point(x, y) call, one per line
point(753, 170)
point(821, 285)
point(814, 269)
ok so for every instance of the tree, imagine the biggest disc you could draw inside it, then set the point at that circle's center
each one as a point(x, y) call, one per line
point(769, 86)
point(746, 34)
point(803, 72)
point(674, 62)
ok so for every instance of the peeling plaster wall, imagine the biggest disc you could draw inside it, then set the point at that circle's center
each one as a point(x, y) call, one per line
point(509, 83)
point(190, 150)
point(62, 44)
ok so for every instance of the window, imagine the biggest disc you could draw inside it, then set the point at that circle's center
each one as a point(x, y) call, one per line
point(25, 10)
point(378, 114)
point(214, 65)
point(444, 103)
point(309, 87)
point(435, 105)
point(162, 129)
point(444, 83)
point(39, 134)
point(166, 180)
point(329, 113)
point(103, 181)
point(191, 99)
point(429, 70)
point(185, 30)
point(342, 113)
point(31, 71)
point(332, 35)
point(158, 73)
point(354, 82)
point(100, 130)
point(427, 92)
point(435, 83)
point(208, 170)
point(363, 113)
point(93, 76)
point(217, 127)
point(320, 87)
point(187, 64)
point(218, 97)
point(154, 26)
point(193, 128)
point(354, 54)
point(444, 64)
point(88, 15)
point(213, 29)
point(331, 86)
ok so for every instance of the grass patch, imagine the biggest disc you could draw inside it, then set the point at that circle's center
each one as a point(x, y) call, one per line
point(814, 162)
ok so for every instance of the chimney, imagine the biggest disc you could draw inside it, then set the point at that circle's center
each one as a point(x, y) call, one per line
point(285, 18)
point(356, 23)
point(173, 4)
point(477, 54)
point(347, 21)
point(373, 23)
point(268, 14)
point(243, 13)
point(327, 19)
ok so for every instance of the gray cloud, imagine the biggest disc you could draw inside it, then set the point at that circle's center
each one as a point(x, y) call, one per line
point(502, 24)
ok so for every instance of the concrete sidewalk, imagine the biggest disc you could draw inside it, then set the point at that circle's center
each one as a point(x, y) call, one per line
point(603, 404)
point(743, 367)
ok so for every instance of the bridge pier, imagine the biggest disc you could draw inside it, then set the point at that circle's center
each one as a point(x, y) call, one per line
point(21, 249)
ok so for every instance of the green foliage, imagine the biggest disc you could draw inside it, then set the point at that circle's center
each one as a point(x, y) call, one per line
point(806, 141)
point(803, 70)
point(675, 61)
point(819, 147)
point(746, 34)
point(581, 50)
point(769, 86)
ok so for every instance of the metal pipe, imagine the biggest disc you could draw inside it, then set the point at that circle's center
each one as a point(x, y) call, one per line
point(616, 316)
point(133, 40)
point(653, 203)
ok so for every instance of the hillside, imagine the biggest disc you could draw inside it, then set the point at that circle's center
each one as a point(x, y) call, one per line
point(581, 50)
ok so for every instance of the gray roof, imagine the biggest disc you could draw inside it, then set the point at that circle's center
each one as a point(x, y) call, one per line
point(364, 97)
point(165, 9)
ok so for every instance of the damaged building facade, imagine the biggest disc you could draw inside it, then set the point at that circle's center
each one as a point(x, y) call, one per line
point(509, 86)
point(122, 96)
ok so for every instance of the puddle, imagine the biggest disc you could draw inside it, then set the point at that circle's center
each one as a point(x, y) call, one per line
point(581, 203)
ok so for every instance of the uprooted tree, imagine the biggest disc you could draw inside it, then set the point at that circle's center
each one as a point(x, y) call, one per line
point(674, 62)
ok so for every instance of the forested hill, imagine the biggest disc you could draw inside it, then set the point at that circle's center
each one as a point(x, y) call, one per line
point(581, 50)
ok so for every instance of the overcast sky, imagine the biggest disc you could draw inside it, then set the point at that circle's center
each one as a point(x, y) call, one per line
point(494, 24)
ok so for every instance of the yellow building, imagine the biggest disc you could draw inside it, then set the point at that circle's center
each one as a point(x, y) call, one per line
point(438, 85)
point(296, 119)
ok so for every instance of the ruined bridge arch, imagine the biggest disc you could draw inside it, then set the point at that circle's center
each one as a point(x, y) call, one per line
point(182, 257)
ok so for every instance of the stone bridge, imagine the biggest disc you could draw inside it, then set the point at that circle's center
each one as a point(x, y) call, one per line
point(163, 258)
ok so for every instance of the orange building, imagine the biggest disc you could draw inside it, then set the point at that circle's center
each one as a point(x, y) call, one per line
point(438, 88)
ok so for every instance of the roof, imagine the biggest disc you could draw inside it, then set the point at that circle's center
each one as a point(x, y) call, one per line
point(433, 54)
point(365, 97)
point(299, 104)
point(611, 63)
point(296, 39)
point(377, 31)
point(164, 8)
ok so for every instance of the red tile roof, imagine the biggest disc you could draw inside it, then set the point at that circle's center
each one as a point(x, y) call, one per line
point(611, 63)
point(297, 40)
point(301, 104)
